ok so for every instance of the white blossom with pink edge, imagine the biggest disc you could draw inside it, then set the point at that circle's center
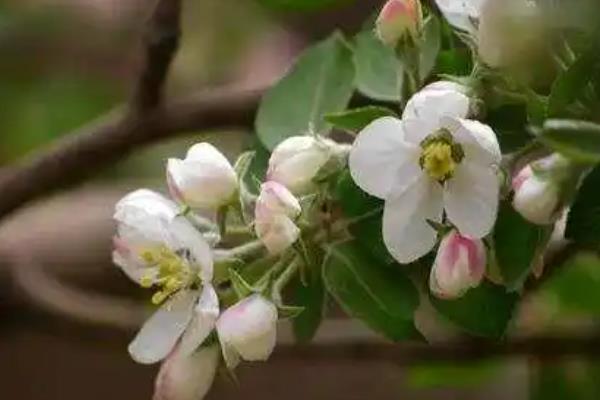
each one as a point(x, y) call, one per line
point(187, 376)
point(275, 214)
point(397, 19)
point(459, 266)
point(247, 330)
point(203, 180)
point(536, 198)
point(157, 248)
point(431, 161)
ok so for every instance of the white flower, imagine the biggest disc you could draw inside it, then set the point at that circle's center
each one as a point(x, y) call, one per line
point(276, 210)
point(187, 376)
point(459, 265)
point(297, 160)
point(462, 14)
point(537, 196)
point(247, 330)
point(397, 19)
point(204, 179)
point(157, 248)
point(430, 161)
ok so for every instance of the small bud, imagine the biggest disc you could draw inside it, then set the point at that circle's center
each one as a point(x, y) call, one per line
point(459, 265)
point(204, 179)
point(296, 161)
point(397, 19)
point(276, 209)
point(187, 377)
point(536, 199)
point(248, 330)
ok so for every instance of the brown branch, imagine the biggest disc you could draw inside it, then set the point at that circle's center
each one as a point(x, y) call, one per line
point(161, 40)
point(82, 153)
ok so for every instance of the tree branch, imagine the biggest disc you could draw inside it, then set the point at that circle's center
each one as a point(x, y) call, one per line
point(161, 41)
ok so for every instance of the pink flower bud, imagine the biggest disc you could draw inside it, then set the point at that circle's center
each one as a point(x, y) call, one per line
point(276, 210)
point(187, 377)
point(204, 179)
point(247, 330)
point(397, 19)
point(536, 199)
point(459, 265)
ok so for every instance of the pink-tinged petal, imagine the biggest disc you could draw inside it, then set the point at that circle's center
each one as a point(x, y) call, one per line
point(378, 154)
point(471, 199)
point(406, 232)
point(160, 333)
point(187, 376)
point(203, 321)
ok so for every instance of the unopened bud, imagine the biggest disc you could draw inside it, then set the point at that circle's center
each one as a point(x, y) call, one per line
point(459, 265)
point(248, 330)
point(397, 19)
point(204, 179)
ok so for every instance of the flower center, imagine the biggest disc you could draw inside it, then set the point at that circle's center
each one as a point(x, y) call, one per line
point(440, 156)
point(173, 273)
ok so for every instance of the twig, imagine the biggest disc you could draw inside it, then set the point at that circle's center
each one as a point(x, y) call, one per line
point(161, 40)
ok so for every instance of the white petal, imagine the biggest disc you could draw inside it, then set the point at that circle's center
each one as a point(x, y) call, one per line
point(132, 267)
point(185, 236)
point(471, 199)
point(230, 356)
point(203, 322)
point(277, 232)
point(378, 153)
point(406, 233)
point(478, 140)
point(160, 333)
point(461, 14)
point(187, 377)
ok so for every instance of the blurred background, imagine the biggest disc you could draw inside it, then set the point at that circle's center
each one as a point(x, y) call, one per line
point(67, 315)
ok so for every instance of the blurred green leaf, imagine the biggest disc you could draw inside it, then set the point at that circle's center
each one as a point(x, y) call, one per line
point(483, 311)
point(579, 140)
point(378, 71)
point(456, 62)
point(352, 199)
point(516, 243)
point(451, 375)
point(302, 5)
point(321, 82)
point(383, 298)
point(356, 119)
point(431, 45)
point(583, 222)
point(510, 123)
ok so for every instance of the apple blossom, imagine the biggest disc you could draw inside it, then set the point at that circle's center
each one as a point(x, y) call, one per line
point(296, 161)
point(538, 187)
point(462, 14)
point(459, 265)
point(247, 330)
point(157, 248)
point(430, 161)
point(397, 19)
point(187, 376)
point(275, 212)
point(204, 179)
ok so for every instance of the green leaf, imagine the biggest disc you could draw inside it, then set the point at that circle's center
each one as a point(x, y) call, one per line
point(287, 311)
point(383, 298)
point(312, 298)
point(352, 199)
point(510, 122)
point(378, 71)
point(431, 45)
point(240, 286)
point(356, 119)
point(452, 375)
point(516, 243)
point(583, 223)
point(579, 140)
point(454, 62)
point(302, 5)
point(321, 82)
point(572, 83)
point(483, 311)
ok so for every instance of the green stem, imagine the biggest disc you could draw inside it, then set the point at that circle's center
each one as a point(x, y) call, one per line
point(243, 251)
point(282, 281)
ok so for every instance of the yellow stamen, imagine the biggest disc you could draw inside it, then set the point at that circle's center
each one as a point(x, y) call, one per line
point(437, 160)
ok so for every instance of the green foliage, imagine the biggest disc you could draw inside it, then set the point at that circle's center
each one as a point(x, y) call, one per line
point(510, 123)
point(302, 5)
point(321, 82)
point(378, 71)
point(483, 311)
point(383, 298)
point(312, 297)
point(517, 243)
point(451, 375)
point(430, 45)
point(583, 223)
point(578, 140)
point(356, 119)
